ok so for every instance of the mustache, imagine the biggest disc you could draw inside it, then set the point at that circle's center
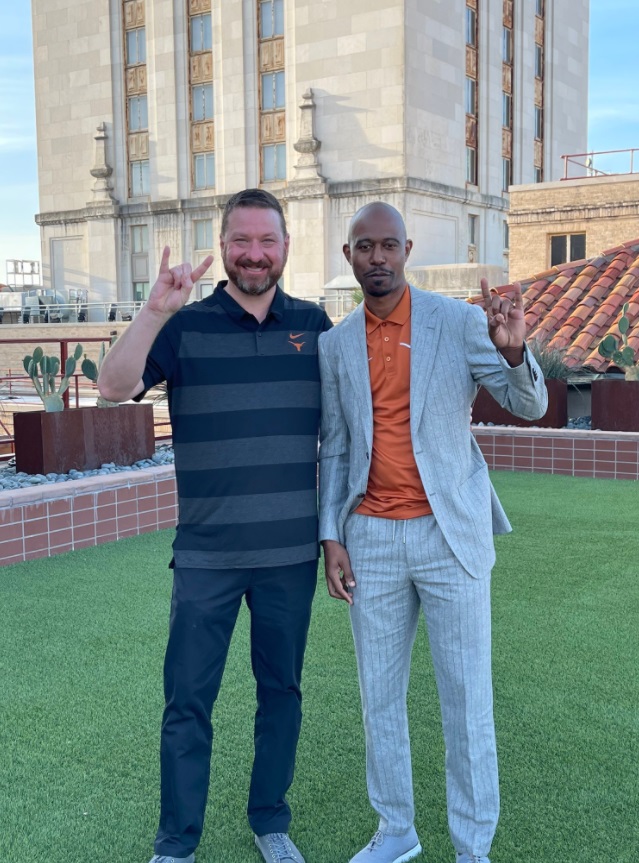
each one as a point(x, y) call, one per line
point(246, 262)
point(378, 272)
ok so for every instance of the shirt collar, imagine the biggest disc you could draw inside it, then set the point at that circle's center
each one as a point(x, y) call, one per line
point(235, 310)
point(399, 315)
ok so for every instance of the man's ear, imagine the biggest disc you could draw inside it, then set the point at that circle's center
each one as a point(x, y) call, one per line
point(347, 252)
point(408, 247)
point(287, 242)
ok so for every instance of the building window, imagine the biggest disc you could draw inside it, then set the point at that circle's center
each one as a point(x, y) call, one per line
point(507, 111)
point(539, 8)
point(203, 234)
point(507, 45)
point(273, 91)
point(272, 119)
point(139, 178)
point(271, 19)
point(473, 231)
point(135, 46)
point(471, 166)
point(201, 33)
point(539, 61)
point(138, 114)
point(539, 123)
point(539, 174)
point(140, 291)
point(202, 102)
point(139, 239)
point(471, 96)
point(204, 170)
point(274, 162)
point(506, 236)
point(507, 173)
point(471, 27)
point(567, 247)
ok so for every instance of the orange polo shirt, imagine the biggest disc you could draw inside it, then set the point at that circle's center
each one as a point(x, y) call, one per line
point(395, 488)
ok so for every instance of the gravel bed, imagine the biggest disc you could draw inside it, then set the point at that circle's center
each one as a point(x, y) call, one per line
point(9, 479)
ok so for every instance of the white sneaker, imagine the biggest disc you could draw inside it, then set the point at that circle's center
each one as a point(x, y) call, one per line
point(278, 848)
point(471, 858)
point(157, 858)
point(384, 848)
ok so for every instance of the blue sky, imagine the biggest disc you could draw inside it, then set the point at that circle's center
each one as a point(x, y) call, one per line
point(613, 109)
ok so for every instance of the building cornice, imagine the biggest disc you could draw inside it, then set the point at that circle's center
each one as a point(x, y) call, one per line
point(395, 185)
point(574, 213)
point(292, 191)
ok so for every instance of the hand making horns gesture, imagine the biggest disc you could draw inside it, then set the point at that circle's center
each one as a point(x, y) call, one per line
point(174, 285)
point(506, 324)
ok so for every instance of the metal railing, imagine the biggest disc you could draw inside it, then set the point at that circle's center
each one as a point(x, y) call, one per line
point(602, 163)
point(68, 313)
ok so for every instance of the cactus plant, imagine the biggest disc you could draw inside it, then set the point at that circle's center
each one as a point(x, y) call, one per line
point(91, 370)
point(618, 351)
point(43, 371)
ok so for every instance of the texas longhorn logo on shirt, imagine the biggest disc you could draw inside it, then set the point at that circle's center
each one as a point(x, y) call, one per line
point(292, 341)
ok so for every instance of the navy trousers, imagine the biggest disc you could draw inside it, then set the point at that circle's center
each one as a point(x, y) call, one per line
point(204, 608)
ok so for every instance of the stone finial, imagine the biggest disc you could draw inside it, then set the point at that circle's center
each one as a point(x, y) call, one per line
point(101, 170)
point(307, 167)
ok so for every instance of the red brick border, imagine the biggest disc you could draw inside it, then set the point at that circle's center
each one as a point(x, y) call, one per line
point(50, 519)
point(603, 455)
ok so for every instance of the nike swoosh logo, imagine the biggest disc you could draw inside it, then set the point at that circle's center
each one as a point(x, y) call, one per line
point(298, 336)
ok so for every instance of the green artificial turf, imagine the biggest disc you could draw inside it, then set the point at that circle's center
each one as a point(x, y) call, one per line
point(81, 646)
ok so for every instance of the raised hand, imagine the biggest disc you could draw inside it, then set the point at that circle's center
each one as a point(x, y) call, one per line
point(174, 284)
point(506, 324)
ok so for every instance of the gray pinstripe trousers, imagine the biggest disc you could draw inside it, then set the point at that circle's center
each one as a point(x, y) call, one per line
point(400, 566)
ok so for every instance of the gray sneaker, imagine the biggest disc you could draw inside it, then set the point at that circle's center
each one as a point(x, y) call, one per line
point(384, 848)
point(158, 858)
point(471, 858)
point(277, 848)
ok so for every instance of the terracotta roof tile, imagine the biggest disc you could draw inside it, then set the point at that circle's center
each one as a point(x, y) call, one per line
point(574, 305)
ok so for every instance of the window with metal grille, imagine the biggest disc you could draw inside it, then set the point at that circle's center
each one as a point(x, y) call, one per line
point(204, 170)
point(274, 162)
point(139, 178)
point(271, 19)
point(201, 33)
point(202, 101)
point(138, 114)
point(135, 46)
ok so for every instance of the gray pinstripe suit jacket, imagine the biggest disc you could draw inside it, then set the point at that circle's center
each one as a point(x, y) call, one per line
point(451, 354)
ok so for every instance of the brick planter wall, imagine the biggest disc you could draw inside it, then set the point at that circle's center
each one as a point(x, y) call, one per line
point(603, 455)
point(50, 519)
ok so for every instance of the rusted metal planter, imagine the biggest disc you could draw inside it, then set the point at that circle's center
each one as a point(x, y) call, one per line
point(82, 438)
point(487, 410)
point(615, 405)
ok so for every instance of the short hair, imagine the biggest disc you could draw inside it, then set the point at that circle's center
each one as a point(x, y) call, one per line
point(252, 198)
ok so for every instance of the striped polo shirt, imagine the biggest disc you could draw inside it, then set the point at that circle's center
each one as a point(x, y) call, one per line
point(244, 402)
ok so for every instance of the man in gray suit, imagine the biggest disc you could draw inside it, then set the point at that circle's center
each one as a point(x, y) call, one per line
point(407, 517)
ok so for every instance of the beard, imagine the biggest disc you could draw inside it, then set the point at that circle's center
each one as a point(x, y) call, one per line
point(249, 286)
point(377, 285)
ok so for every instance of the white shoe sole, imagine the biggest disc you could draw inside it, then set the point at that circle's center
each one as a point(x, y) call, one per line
point(409, 854)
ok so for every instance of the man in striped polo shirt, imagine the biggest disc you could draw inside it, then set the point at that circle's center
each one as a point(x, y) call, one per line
point(242, 373)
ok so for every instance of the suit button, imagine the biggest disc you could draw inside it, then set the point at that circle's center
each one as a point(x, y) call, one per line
point(535, 375)
point(362, 494)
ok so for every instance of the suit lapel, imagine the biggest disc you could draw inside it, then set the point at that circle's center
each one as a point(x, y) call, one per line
point(425, 331)
point(355, 356)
